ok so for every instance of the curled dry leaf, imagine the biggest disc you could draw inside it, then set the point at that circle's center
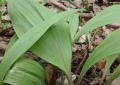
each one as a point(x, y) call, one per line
point(101, 63)
point(99, 40)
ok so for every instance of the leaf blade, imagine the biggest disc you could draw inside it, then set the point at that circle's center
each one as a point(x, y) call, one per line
point(73, 24)
point(59, 44)
point(103, 18)
point(25, 71)
point(102, 51)
point(22, 42)
point(114, 75)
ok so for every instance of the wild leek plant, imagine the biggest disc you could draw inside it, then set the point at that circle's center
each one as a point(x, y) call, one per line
point(49, 36)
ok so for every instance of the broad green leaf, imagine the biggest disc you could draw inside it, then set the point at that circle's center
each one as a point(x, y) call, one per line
point(103, 18)
point(12, 41)
point(109, 62)
point(114, 75)
point(25, 72)
point(73, 24)
point(28, 14)
point(56, 42)
point(111, 43)
point(31, 36)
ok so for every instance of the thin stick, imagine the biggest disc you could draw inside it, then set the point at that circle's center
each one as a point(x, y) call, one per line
point(79, 66)
point(74, 4)
point(89, 15)
point(59, 5)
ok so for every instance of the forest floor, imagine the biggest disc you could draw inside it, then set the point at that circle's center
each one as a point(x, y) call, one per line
point(80, 49)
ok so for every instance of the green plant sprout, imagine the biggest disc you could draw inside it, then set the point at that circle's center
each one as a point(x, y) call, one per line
point(49, 36)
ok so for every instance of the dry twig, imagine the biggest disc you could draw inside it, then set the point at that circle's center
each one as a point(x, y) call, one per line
point(59, 5)
point(89, 15)
point(79, 66)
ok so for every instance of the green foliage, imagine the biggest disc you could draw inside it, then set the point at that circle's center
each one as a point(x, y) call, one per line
point(103, 18)
point(25, 70)
point(38, 28)
point(49, 36)
point(73, 24)
point(111, 43)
